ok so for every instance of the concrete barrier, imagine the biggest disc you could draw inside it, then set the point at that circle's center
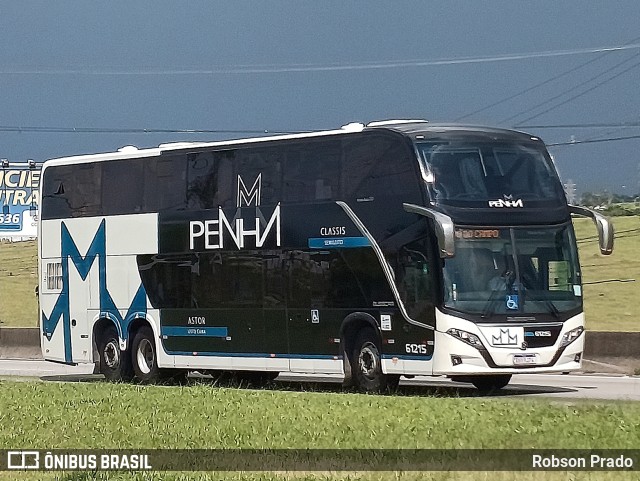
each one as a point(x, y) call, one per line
point(20, 343)
point(24, 343)
point(599, 344)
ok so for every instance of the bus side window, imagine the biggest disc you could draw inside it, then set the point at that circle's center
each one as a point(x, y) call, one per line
point(336, 279)
point(264, 164)
point(165, 183)
point(312, 174)
point(243, 274)
point(205, 184)
point(300, 268)
point(224, 179)
point(122, 187)
point(84, 197)
point(55, 200)
point(274, 279)
point(327, 164)
point(378, 168)
point(297, 184)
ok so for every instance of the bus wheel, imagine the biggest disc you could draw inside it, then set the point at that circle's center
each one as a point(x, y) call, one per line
point(114, 364)
point(486, 384)
point(143, 356)
point(367, 365)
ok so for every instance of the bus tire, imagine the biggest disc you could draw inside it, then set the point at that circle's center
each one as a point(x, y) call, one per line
point(366, 363)
point(115, 364)
point(492, 382)
point(144, 357)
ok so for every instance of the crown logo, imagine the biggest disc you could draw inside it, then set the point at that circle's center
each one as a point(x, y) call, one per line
point(505, 339)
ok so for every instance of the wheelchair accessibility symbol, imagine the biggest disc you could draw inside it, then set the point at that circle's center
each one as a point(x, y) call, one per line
point(512, 302)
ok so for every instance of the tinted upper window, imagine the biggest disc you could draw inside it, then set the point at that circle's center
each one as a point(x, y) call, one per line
point(360, 166)
point(481, 172)
point(165, 184)
point(71, 191)
point(114, 187)
point(258, 168)
point(379, 165)
point(209, 179)
point(312, 171)
point(123, 183)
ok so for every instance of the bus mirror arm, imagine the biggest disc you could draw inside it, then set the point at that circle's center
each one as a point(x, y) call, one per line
point(604, 226)
point(444, 228)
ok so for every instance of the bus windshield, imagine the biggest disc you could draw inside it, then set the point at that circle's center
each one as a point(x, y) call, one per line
point(513, 271)
point(464, 172)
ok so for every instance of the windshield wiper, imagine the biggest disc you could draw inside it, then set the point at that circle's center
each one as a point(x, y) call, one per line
point(552, 308)
point(491, 303)
point(509, 281)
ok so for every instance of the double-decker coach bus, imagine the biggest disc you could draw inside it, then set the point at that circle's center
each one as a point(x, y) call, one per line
point(395, 248)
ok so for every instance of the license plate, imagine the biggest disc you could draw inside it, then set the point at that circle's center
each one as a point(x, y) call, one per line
point(519, 359)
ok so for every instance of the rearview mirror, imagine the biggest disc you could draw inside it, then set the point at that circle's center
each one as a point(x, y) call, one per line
point(444, 228)
point(603, 225)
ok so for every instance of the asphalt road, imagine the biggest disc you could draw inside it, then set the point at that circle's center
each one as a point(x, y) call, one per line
point(580, 386)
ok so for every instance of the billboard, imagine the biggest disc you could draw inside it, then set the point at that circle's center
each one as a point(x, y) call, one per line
point(19, 196)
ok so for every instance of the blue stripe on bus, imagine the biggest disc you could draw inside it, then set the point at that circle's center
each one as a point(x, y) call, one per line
point(407, 358)
point(180, 331)
point(255, 354)
point(338, 242)
point(290, 356)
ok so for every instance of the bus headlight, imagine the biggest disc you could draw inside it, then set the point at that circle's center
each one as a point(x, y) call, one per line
point(467, 337)
point(571, 336)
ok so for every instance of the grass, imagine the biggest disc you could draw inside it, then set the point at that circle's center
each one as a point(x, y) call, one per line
point(18, 279)
point(99, 414)
point(608, 305)
point(37, 415)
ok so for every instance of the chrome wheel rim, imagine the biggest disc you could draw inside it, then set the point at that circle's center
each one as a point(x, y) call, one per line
point(368, 360)
point(145, 356)
point(112, 354)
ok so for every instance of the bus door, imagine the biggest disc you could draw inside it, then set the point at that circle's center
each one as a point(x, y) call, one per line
point(416, 277)
point(64, 304)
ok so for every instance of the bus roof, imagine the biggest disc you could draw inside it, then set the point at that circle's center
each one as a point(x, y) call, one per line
point(421, 130)
point(417, 130)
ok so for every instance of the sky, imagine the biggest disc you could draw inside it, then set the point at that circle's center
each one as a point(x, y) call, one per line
point(85, 77)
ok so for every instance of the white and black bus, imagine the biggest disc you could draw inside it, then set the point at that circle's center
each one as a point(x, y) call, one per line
point(395, 248)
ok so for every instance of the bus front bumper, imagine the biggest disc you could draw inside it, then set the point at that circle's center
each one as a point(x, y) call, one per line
point(502, 350)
